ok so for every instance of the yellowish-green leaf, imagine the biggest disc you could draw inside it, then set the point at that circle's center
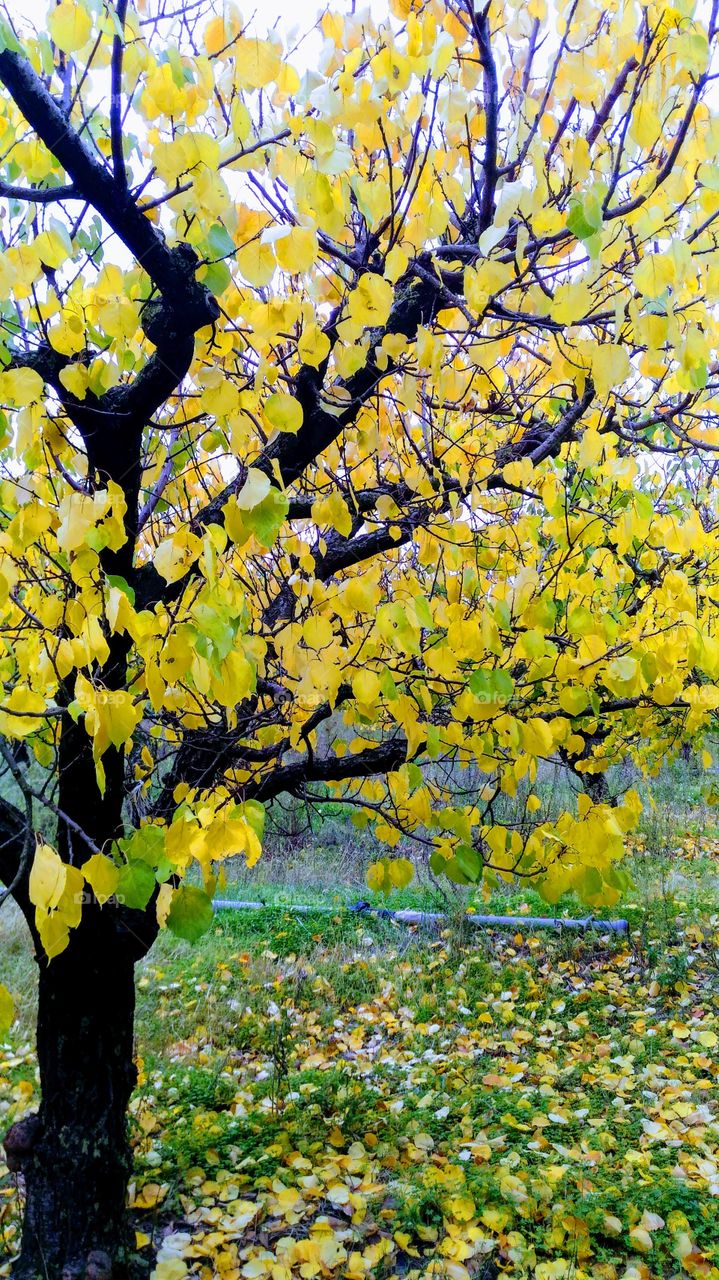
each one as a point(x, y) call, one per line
point(70, 25)
point(283, 412)
point(102, 875)
point(7, 1010)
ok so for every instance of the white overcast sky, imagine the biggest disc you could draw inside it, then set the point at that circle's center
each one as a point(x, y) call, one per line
point(293, 19)
point(299, 15)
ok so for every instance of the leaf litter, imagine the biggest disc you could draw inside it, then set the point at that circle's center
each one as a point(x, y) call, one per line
point(392, 1106)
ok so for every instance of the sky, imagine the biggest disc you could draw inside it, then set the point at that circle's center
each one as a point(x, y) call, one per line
point(300, 14)
point(292, 13)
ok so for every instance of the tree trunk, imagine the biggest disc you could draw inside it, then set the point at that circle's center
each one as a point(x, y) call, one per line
point(74, 1156)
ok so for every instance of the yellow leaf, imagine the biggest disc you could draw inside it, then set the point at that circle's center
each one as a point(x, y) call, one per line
point(573, 699)
point(462, 1208)
point(78, 515)
point(377, 876)
point(21, 714)
point(21, 386)
point(164, 902)
point(47, 878)
point(53, 931)
point(370, 303)
point(645, 125)
point(283, 412)
point(334, 512)
point(538, 740)
point(623, 676)
point(610, 366)
point(253, 851)
point(76, 379)
point(641, 1239)
point(401, 872)
point(296, 252)
point(216, 36)
point(150, 1196)
point(70, 25)
point(52, 247)
point(366, 688)
point(591, 447)
point(256, 262)
point(395, 264)
point(313, 346)
point(111, 715)
point(7, 1010)
point(57, 891)
point(172, 1268)
point(571, 302)
point(287, 81)
point(257, 62)
point(655, 273)
point(175, 554)
point(102, 876)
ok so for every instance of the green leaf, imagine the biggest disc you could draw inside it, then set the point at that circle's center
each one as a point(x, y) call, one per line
point(643, 506)
point(589, 884)
point(416, 777)
point(503, 615)
point(147, 844)
point(172, 55)
point(61, 230)
point(452, 868)
point(191, 913)
point(423, 612)
point(254, 812)
point(469, 861)
point(434, 745)
point(219, 241)
point(708, 176)
point(46, 58)
point(437, 863)
point(490, 685)
point(216, 276)
point(266, 519)
point(585, 217)
point(115, 580)
point(136, 884)
point(8, 39)
point(387, 685)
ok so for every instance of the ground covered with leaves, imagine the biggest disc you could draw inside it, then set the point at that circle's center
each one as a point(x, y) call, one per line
point(336, 1096)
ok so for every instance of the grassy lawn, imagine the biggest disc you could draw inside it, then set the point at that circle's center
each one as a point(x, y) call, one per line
point(335, 1095)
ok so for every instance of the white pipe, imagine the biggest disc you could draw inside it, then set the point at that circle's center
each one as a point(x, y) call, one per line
point(437, 917)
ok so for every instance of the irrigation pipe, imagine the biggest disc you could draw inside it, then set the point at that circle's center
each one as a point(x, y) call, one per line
point(436, 917)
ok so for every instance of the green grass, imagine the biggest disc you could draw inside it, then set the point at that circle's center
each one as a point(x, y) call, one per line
point(283, 1041)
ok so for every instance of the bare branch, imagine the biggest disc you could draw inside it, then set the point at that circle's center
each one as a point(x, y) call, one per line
point(39, 195)
point(118, 49)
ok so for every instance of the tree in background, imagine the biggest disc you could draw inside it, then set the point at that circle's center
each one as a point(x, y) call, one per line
point(379, 396)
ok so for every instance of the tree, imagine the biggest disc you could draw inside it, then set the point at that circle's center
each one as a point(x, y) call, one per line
point(380, 395)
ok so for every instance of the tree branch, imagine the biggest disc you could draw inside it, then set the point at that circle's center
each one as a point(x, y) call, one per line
point(610, 101)
point(380, 759)
point(13, 836)
point(622, 210)
point(167, 267)
point(118, 49)
point(480, 23)
point(38, 195)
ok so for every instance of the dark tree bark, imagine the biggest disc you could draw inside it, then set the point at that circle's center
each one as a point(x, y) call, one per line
point(74, 1156)
point(595, 785)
